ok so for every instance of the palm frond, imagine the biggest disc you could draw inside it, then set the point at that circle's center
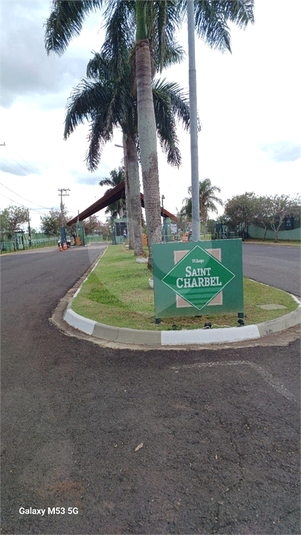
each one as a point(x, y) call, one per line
point(99, 135)
point(106, 182)
point(85, 100)
point(120, 31)
point(65, 22)
point(174, 53)
point(179, 101)
point(240, 12)
point(211, 24)
point(212, 18)
point(99, 67)
point(163, 20)
point(165, 123)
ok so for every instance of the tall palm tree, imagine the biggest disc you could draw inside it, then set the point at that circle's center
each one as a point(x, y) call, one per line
point(151, 20)
point(107, 101)
point(208, 200)
point(104, 98)
point(158, 14)
point(155, 22)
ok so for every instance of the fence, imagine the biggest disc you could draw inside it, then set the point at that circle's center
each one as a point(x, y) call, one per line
point(21, 244)
point(94, 239)
point(287, 235)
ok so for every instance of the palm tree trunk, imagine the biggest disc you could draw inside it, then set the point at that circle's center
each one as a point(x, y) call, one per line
point(147, 133)
point(127, 195)
point(148, 145)
point(134, 201)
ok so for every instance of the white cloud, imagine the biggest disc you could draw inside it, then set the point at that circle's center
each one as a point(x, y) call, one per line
point(282, 151)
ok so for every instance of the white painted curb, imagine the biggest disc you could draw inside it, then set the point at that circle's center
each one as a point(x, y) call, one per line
point(79, 322)
point(184, 337)
point(209, 336)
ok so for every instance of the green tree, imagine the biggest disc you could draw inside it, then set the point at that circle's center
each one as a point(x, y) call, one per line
point(281, 206)
point(4, 224)
point(51, 223)
point(208, 201)
point(105, 229)
point(92, 225)
point(262, 212)
point(240, 211)
point(11, 218)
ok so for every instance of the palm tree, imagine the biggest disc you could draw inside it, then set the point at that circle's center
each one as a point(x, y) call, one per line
point(152, 19)
point(116, 177)
point(207, 198)
point(155, 23)
point(104, 98)
point(107, 101)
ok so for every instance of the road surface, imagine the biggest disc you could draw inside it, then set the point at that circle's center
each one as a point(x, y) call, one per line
point(104, 441)
point(276, 265)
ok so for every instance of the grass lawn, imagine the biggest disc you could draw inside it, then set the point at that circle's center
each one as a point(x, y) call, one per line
point(117, 293)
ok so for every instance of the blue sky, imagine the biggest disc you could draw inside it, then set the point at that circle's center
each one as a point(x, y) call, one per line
point(248, 102)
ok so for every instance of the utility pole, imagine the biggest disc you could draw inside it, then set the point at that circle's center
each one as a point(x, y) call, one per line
point(29, 228)
point(63, 193)
point(193, 125)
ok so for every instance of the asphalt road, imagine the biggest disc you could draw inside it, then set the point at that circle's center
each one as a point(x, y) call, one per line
point(108, 441)
point(278, 266)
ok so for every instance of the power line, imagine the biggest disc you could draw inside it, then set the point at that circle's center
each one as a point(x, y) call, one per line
point(14, 201)
point(31, 209)
point(29, 165)
point(26, 169)
point(23, 197)
point(13, 167)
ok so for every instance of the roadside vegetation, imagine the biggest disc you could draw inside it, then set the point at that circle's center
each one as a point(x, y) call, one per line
point(118, 293)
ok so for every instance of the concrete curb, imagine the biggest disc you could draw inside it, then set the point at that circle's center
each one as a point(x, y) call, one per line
point(184, 337)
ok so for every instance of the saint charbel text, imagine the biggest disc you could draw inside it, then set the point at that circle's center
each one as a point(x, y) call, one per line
point(197, 278)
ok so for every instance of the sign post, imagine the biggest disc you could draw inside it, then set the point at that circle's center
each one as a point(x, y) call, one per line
point(198, 278)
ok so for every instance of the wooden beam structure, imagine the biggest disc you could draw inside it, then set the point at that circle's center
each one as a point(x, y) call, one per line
point(111, 196)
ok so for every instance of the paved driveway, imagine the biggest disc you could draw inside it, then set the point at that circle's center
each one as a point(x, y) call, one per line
point(109, 441)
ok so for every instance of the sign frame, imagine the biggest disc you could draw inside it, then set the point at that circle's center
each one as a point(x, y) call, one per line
point(198, 278)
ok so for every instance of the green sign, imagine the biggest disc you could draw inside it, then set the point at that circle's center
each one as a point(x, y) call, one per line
point(192, 278)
